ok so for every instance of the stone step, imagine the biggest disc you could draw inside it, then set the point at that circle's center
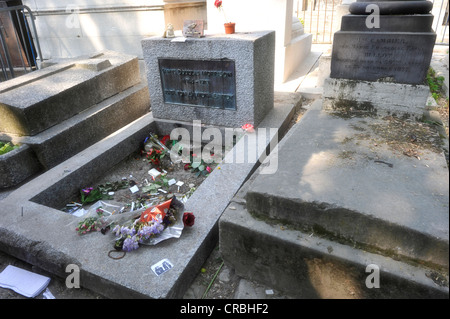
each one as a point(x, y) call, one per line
point(343, 179)
point(304, 265)
point(36, 101)
point(57, 144)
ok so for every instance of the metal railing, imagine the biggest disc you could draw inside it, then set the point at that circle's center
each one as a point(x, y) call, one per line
point(321, 18)
point(19, 43)
point(440, 22)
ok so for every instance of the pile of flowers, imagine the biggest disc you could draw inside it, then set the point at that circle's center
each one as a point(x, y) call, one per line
point(93, 223)
point(152, 222)
point(198, 166)
point(155, 149)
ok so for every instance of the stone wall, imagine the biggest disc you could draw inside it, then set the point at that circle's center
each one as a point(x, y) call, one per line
point(79, 27)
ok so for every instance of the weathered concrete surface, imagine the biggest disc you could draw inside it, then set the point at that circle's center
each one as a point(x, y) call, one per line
point(304, 265)
point(45, 236)
point(18, 165)
point(36, 101)
point(380, 98)
point(57, 144)
point(330, 211)
point(339, 178)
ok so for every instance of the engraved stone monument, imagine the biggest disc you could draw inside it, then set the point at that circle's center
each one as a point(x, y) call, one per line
point(224, 80)
point(381, 56)
point(398, 46)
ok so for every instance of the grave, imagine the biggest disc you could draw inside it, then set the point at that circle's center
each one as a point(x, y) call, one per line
point(88, 97)
point(347, 199)
point(40, 200)
point(340, 203)
point(21, 226)
point(223, 80)
point(378, 53)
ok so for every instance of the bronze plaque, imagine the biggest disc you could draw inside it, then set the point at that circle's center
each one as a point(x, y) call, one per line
point(205, 83)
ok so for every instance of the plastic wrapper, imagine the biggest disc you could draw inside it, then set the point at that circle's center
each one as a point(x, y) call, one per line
point(148, 226)
point(97, 217)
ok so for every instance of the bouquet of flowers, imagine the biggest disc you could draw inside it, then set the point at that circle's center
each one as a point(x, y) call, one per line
point(154, 225)
point(156, 149)
point(97, 218)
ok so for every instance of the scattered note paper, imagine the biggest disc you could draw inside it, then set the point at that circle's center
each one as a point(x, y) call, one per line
point(171, 182)
point(23, 281)
point(179, 184)
point(161, 267)
point(48, 295)
point(269, 292)
point(154, 173)
point(134, 189)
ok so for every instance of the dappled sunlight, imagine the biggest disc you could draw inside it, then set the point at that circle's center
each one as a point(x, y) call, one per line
point(331, 281)
point(314, 177)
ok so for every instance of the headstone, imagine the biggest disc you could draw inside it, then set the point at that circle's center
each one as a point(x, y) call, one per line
point(224, 80)
point(384, 41)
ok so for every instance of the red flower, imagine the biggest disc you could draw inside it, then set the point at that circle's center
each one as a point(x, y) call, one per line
point(188, 219)
point(187, 166)
point(165, 139)
point(248, 127)
point(218, 3)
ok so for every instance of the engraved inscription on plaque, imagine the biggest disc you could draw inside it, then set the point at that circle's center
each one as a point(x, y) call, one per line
point(203, 83)
point(402, 57)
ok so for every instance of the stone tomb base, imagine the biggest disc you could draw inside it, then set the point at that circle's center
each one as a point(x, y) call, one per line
point(398, 99)
point(224, 80)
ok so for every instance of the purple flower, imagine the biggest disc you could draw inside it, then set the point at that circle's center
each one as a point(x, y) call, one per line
point(130, 243)
point(116, 230)
point(87, 190)
point(125, 231)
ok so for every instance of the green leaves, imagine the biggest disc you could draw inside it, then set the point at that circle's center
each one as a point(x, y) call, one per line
point(435, 83)
point(7, 147)
point(152, 188)
point(92, 196)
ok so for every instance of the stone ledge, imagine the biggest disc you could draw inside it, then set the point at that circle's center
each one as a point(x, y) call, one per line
point(332, 179)
point(402, 100)
point(17, 165)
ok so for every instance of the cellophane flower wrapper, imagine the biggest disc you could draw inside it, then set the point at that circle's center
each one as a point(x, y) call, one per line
point(99, 215)
point(123, 226)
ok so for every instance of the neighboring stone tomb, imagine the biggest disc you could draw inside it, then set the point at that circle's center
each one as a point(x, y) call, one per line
point(223, 80)
point(383, 53)
point(60, 110)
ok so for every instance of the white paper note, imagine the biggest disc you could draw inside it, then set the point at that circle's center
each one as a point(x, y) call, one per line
point(23, 281)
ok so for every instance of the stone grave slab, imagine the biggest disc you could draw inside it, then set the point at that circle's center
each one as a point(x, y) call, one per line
point(45, 236)
point(36, 101)
point(275, 230)
point(336, 178)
